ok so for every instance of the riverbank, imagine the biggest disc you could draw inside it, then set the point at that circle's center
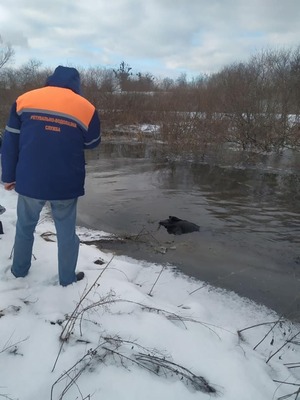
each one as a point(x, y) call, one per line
point(249, 274)
point(129, 331)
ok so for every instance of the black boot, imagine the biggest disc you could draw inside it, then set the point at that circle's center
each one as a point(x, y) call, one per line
point(79, 276)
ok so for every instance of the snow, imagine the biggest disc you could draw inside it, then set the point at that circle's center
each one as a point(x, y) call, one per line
point(110, 335)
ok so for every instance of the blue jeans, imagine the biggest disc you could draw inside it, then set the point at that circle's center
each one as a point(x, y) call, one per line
point(64, 216)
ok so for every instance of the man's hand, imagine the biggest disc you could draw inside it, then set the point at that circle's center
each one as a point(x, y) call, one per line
point(9, 186)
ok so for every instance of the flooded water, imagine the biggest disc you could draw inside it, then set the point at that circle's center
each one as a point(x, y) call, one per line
point(249, 217)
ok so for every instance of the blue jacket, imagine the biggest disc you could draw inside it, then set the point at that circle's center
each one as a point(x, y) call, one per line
point(45, 137)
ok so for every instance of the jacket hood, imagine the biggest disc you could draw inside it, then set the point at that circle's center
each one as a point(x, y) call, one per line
point(65, 77)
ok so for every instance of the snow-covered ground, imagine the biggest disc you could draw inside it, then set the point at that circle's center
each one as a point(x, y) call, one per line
point(132, 330)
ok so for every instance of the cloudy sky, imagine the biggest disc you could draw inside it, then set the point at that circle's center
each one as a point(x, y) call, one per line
point(163, 37)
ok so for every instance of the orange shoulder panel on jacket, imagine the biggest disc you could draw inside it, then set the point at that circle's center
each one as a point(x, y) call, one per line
point(58, 100)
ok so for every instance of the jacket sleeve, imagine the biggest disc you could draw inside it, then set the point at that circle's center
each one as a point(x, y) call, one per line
point(92, 137)
point(10, 147)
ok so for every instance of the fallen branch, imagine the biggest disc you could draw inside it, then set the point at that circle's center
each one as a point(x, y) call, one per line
point(163, 267)
point(124, 352)
point(77, 369)
point(66, 332)
point(8, 347)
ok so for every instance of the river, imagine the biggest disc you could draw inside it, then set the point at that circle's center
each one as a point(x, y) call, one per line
point(248, 212)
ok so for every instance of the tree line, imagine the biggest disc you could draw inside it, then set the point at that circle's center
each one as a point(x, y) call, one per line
point(254, 105)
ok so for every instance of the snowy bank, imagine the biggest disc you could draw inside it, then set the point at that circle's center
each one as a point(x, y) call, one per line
point(132, 330)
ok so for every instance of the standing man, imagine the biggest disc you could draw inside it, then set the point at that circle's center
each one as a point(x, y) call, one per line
point(43, 159)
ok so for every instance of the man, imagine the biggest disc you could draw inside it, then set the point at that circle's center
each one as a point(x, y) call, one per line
point(43, 159)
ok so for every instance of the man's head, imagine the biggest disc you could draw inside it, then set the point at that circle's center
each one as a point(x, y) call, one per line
point(65, 77)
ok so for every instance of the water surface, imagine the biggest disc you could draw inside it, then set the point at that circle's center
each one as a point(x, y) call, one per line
point(249, 217)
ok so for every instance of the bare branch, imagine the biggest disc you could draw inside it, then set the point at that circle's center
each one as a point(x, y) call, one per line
point(6, 52)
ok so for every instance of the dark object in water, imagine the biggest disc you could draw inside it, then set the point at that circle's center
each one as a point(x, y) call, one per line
point(1, 228)
point(177, 226)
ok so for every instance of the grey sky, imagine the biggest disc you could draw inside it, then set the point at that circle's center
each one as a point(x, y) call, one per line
point(164, 37)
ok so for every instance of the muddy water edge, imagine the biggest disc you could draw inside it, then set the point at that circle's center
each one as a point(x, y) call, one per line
point(248, 212)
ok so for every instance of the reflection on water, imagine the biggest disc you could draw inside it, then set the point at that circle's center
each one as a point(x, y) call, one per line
point(252, 200)
point(259, 195)
point(247, 207)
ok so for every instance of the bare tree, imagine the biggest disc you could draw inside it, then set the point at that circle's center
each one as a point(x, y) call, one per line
point(145, 82)
point(123, 74)
point(6, 52)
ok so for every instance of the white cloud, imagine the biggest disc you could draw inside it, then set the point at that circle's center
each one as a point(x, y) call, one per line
point(174, 35)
